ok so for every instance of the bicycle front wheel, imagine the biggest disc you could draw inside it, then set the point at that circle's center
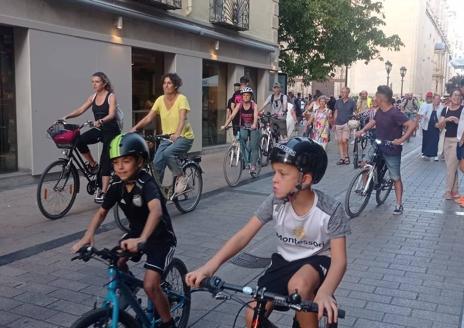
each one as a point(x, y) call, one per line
point(259, 164)
point(102, 318)
point(232, 166)
point(57, 189)
point(266, 147)
point(177, 291)
point(358, 193)
point(383, 191)
point(356, 153)
point(120, 219)
point(189, 199)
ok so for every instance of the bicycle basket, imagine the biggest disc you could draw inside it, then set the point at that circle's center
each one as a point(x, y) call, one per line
point(63, 134)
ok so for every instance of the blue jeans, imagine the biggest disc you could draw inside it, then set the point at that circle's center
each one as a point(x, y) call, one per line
point(254, 145)
point(167, 154)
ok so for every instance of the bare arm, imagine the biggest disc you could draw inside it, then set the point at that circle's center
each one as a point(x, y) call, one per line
point(338, 264)
point(231, 117)
point(231, 248)
point(268, 100)
point(255, 115)
point(144, 121)
point(88, 237)
point(80, 110)
point(410, 126)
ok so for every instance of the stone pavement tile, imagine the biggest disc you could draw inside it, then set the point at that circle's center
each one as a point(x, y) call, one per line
point(69, 307)
point(437, 317)
point(370, 297)
point(63, 319)
point(31, 323)
point(35, 298)
point(363, 323)
point(7, 317)
point(8, 270)
point(396, 293)
point(380, 283)
point(34, 311)
point(8, 303)
point(388, 308)
point(68, 284)
point(407, 321)
point(36, 288)
point(354, 312)
point(10, 292)
point(69, 295)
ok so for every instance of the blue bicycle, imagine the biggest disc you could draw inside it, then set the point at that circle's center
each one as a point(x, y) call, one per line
point(122, 289)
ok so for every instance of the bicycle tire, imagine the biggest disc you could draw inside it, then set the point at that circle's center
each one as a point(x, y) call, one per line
point(61, 163)
point(258, 164)
point(356, 154)
point(101, 317)
point(265, 151)
point(197, 181)
point(120, 218)
point(379, 198)
point(229, 161)
point(353, 184)
point(179, 266)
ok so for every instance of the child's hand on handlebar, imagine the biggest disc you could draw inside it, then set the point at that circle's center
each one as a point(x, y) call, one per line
point(131, 245)
point(194, 278)
point(325, 301)
point(86, 240)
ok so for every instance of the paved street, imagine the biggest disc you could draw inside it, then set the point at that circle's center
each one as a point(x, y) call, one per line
point(404, 271)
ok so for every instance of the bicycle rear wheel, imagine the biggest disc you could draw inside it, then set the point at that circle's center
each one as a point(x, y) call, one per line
point(189, 199)
point(120, 219)
point(101, 318)
point(177, 291)
point(358, 194)
point(232, 166)
point(258, 164)
point(383, 191)
point(57, 189)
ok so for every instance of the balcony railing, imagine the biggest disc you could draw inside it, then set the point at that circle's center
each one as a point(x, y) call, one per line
point(233, 14)
point(165, 4)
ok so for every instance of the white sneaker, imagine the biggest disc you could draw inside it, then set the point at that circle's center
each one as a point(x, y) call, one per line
point(436, 159)
point(181, 184)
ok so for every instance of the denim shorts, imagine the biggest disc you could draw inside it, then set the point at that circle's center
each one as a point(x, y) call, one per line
point(460, 152)
point(393, 163)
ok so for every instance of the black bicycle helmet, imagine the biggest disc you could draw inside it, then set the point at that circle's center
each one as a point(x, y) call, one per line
point(308, 156)
point(128, 144)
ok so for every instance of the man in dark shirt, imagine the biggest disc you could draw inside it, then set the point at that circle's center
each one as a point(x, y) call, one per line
point(344, 109)
point(389, 122)
point(231, 103)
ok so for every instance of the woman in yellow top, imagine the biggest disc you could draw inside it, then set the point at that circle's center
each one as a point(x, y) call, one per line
point(172, 107)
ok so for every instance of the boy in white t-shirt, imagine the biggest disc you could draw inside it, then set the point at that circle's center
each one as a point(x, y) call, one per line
point(310, 227)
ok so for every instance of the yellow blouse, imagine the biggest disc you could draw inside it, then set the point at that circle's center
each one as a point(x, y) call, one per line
point(170, 117)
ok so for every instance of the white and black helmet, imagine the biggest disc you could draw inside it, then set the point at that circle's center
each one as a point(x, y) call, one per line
point(246, 90)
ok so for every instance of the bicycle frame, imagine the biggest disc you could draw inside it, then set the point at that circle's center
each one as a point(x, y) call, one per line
point(117, 280)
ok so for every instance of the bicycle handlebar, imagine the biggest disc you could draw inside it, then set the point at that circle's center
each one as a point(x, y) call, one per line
point(215, 285)
point(85, 253)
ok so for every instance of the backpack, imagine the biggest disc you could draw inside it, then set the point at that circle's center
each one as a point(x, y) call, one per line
point(284, 110)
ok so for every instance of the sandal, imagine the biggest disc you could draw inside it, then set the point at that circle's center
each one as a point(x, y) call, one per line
point(341, 161)
point(346, 161)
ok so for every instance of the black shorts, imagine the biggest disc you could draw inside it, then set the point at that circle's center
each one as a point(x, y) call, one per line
point(158, 255)
point(276, 278)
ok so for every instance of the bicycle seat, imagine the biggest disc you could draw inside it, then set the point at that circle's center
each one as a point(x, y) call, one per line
point(246, 260)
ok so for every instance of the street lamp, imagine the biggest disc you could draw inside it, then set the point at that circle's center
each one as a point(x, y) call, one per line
point(402, 73)
point(388, 68)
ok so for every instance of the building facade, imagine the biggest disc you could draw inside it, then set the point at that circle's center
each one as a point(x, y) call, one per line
point(422, 26)
point(49, 49)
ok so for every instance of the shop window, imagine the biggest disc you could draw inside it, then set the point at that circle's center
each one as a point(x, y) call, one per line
point(214, 100)
point(8, 144)
point(147, 70)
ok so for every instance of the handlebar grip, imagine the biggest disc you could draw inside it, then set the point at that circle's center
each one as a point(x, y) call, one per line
point(212, 283)
point(341, 313)
point(75, 258)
